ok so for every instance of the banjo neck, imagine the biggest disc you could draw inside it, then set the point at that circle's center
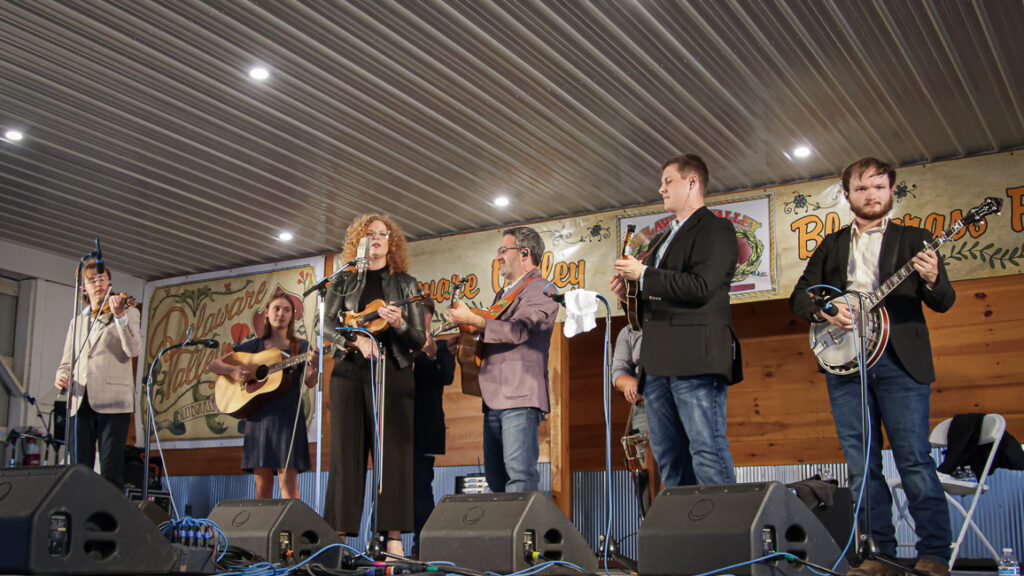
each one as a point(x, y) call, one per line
point(875, 298)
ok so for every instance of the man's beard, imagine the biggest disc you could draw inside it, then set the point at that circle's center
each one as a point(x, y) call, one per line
point(872, 213)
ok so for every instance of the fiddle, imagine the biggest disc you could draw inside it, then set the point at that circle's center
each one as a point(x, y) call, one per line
point(370, 318)
point(128, 301)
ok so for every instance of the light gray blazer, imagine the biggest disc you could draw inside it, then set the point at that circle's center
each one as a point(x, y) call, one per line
point(109, 367)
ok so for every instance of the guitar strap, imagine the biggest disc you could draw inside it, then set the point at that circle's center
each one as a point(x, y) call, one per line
point(505, 301)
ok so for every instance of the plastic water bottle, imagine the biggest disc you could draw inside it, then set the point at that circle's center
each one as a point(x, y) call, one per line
point(1008, 565)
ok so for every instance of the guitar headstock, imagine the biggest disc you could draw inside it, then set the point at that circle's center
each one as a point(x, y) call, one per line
point(458, 285)
point(991, 205)
point(630, 229)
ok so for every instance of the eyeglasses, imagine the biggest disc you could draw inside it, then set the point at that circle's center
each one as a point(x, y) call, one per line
point(97, 280)
point(378, 235)
point(503, 249)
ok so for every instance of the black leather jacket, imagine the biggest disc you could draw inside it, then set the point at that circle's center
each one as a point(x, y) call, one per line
point(343, 295)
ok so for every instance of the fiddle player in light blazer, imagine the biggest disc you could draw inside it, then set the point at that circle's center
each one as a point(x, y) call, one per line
point(108, 337)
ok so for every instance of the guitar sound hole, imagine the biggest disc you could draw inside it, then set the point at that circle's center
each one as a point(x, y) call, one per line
point(261, 373)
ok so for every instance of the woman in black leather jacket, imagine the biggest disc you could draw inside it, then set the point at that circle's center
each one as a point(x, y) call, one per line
point(351, 401)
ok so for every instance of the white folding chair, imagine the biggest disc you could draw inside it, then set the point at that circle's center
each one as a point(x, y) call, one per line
point(992, 428)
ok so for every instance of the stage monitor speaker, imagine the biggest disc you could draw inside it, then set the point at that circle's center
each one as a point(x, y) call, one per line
point(696, 529)
point(69, 520)
point(284, 530)
point(838, 520)
point(499, 532)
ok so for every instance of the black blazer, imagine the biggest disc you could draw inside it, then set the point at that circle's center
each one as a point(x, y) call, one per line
point(686, 318)
point(343, 295)
point(908, 336)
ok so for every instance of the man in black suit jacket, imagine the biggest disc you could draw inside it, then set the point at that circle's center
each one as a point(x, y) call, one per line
point(859, 258)
point(689, 353)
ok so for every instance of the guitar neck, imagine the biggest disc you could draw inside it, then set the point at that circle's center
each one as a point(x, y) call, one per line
point(294, 360)
point(876, 297)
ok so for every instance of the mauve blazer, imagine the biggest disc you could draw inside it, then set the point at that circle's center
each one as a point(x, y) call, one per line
point(514, 370)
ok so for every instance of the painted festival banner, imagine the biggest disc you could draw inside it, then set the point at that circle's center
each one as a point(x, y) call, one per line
point(230, 309)
point(753, 220)
point(781, 225)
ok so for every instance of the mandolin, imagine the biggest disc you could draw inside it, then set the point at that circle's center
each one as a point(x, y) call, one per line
point(632, 303)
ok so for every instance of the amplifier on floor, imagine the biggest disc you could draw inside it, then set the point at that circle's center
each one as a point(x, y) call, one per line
point(500, 533)
point(284, 530)
point(696, 529)
point(69, 520)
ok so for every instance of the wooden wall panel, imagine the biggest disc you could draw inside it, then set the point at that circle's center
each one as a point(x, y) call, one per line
point(780, 414)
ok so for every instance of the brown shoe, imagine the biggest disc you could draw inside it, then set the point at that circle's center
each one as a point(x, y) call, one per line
point(933, 567)
point(873, 568)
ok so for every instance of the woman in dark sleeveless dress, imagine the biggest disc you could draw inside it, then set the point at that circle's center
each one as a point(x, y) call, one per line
point(275, 434)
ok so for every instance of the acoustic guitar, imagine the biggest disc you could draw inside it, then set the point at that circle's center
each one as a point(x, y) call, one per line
point(632, 303)
point(242, 399)
point(836, 349)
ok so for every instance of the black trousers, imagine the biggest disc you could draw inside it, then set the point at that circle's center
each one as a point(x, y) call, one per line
point(352, 438)
point(109, 432)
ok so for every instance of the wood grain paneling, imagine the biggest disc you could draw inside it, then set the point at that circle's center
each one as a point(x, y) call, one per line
point(780, 413)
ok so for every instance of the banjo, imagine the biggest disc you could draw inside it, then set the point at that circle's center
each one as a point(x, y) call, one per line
point(836, 349)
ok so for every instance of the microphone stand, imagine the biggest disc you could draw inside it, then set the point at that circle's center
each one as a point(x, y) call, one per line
point(868, 549)
point(605, 541)
point(48, 438)
point(149, 411)
point(71, 420)
point(321, 295)
point(378, 368)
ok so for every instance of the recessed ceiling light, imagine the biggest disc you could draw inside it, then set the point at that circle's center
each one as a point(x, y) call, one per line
point(259, 73)
point(801, 151)
point(285, 236)
point(501, 201)
point(13, 135)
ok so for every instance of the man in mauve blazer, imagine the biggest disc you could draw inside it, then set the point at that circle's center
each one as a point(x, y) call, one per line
point(105, 401)
point(689, 354)
point(514, 369)
point(860, 258)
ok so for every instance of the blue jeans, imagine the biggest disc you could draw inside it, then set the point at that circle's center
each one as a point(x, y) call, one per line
point(686, 421)
point(902, 404)
point(511, 449)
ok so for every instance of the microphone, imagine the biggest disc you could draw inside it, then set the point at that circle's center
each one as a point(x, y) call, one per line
point(362, 258)
point(826, 306)
point(556, 295)
point(100, 269)
point(30, 399)
point(205, 342)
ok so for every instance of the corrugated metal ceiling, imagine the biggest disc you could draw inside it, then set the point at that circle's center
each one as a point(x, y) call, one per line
point(143, 128)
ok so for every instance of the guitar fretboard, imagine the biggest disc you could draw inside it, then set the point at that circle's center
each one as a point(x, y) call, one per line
point(285, 364)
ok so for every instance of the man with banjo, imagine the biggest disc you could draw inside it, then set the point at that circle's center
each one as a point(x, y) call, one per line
point(857, 260)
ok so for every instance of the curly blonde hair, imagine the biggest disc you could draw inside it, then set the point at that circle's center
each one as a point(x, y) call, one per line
point(398, 249)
